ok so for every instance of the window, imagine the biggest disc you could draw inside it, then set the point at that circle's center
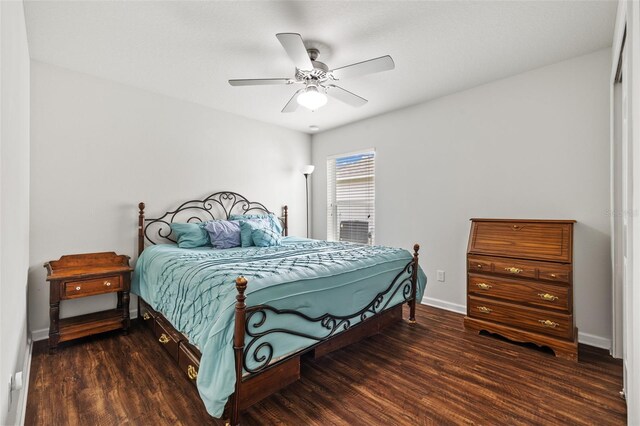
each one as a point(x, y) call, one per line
point(351, 197)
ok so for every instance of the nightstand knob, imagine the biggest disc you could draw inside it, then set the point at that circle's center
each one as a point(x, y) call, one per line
point(107, 283)
point(78, 288)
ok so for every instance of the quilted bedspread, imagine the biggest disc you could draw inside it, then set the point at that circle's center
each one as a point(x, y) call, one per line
point(195, 290)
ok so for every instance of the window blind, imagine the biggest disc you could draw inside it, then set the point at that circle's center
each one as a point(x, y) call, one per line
point(351, 197)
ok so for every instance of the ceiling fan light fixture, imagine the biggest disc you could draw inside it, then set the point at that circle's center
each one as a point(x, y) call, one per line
point(312, 98)
point(316, 76)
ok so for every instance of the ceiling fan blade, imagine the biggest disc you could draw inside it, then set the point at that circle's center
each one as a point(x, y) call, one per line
point(383, 63)
point(345, 96)
point(292, 105)
point(259, 81)
point(294, 46)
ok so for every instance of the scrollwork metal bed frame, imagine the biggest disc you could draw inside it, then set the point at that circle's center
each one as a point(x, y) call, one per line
point(251, 322)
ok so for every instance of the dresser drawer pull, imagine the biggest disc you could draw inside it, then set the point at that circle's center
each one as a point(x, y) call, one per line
point(107, 283)
point(513, 270)
point(553, 276)
point(164, 339)
point(484, 286)
point(479, 266)
point(146, 316)
point(548, 323)
point(485, 310)
point(548, 297)
point(78, 288)
point(192, 372)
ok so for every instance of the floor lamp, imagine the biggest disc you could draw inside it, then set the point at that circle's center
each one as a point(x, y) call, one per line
point(306, 171)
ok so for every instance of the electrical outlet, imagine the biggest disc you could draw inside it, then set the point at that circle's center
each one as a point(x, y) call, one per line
point(17, 381)
point(440, 275)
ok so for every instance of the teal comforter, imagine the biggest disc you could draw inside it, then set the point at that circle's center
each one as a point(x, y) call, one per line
point(195, 290)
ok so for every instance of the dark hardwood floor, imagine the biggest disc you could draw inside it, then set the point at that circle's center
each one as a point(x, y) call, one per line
point(431, 373)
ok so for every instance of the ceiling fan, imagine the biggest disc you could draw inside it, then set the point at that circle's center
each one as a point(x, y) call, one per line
point(316, 76)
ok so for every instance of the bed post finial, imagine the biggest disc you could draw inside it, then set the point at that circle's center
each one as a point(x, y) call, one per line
point(286, 221)
point(140, 228)
point(238, 346)
point(414, 284)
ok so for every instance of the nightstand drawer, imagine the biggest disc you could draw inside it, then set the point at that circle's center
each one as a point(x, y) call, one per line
point(82, 288)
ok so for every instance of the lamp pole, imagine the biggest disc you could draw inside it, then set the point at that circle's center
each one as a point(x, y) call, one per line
point(306, 184)
point(306, 171)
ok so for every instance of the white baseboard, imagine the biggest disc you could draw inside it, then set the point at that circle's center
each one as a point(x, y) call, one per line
point(24, 392)
point(585, 338)
point(593, 340)
point(448, 306)
point(37, 335)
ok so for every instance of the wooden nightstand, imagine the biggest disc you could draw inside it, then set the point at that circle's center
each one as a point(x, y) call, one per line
point(81, 275)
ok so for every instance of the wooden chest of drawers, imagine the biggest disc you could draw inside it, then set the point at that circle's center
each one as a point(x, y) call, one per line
point(520, 282)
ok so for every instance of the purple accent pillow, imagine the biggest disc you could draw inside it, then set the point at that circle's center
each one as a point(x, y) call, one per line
point(224, 233)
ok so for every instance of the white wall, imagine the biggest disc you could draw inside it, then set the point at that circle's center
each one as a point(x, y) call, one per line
point(14, 201)
point(99, 147)
point(530, 146)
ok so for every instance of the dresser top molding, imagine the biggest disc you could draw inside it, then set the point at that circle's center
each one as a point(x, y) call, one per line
point(475, 219)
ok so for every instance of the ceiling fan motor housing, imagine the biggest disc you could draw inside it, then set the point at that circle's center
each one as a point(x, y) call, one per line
point(319, 71)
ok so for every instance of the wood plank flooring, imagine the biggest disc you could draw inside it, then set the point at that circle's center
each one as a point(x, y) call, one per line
point(433, 372)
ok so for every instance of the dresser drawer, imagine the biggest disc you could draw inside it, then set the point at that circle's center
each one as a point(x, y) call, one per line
point(550, 240)
point(537, 320)
point(169, 339)
point(515, 268)
point(479, 264)
point(188, 361)
point(82, 288)
point(556, 273)
point(532, 293)
point(502, 266)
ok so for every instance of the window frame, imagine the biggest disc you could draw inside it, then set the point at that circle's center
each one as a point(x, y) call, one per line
point(332, 204)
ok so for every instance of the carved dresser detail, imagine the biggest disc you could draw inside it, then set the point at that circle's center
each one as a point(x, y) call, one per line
point(520, 282)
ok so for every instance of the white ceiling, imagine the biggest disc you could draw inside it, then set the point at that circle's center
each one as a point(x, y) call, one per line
point(190, 49)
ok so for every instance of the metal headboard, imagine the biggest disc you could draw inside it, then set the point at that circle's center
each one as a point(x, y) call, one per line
point(219, 205)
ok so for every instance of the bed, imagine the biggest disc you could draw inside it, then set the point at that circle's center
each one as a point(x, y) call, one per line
point(237, 321)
